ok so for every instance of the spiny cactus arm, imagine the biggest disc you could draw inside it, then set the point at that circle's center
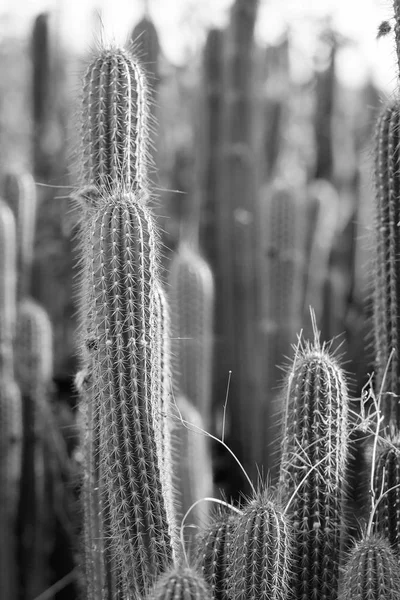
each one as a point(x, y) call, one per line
point(20, 194)
point(315, 438)
point(385, 277)
point(386, 487)
point(119, 313)
point(261, 552)
point(214, 548)
point(115, 133)
point(371, 571)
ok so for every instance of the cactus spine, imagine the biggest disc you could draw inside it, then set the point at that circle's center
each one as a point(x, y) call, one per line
point(371, 572)
point(386, 301)
point(122, 330)
point(315, 440)
point(261, 552)
point(10, 407)
point(182, 583)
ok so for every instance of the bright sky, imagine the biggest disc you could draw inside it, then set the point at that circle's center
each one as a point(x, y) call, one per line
point(181, 25)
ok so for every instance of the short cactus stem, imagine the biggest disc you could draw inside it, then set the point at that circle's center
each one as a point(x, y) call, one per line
point(313, 462)
point(371, 571)
point(8, 282)
point(214, 548)
point(115, 122)
point(182, 583)
point(122, 341)
point(386, 482)
point(261, 552)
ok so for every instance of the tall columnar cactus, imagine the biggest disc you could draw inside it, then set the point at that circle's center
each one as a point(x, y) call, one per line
point(122, 330)
point(192, 467)
point(386, 299)
point(182, 583)
point(20, 193)
point(41, 89)
point(237, 219)
point(10, 407)
point(312, 470)
point(386, 487)
point(115, 116)
point(191, 297)
point(145, 39)
point(371, 571)
point(214, 553)
point(34, 367)
point(261, 552)
point(212, 140)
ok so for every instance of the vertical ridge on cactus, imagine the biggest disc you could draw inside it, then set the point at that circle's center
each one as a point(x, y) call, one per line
point(261, 549)
point(371, 571)
point(115, 134)
point(386, 291)
point(312, 470)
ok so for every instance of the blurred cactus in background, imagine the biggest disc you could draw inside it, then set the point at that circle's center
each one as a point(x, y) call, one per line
point(203, 249)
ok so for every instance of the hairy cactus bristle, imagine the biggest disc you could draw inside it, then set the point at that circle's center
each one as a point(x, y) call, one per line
point(312, 470)
point(261, 552)
point(386, 301)
point(115, 130)
point(182, 583)
point(191, 299)
point(121, 329)
point(371, 571)
point(387, 491)
point(214, 548)
point(20, 194)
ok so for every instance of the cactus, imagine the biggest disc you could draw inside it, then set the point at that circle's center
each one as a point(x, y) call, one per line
point(33, 368)
point(312, 470)
point(385, 289)
point(115, 123)
point(261, 549)
point(371, 571)
point(20, 193)
point(192, 467)
point(10, 407)
point(191, 300)
point(214, 553)
point(123, 333)
point(182, 583)
point(386, 487)
point(145, 39)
